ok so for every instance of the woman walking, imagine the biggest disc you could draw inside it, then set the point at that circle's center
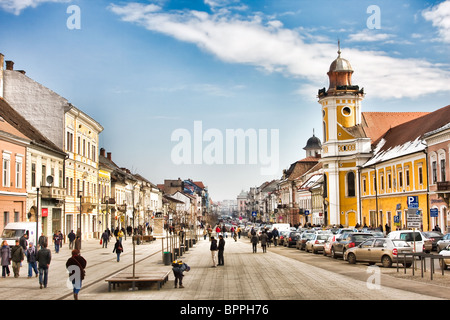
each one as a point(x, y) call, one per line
point(118, 249)
point(6, 258)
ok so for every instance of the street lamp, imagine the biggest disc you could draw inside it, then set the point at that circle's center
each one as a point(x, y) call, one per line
point(80, 195)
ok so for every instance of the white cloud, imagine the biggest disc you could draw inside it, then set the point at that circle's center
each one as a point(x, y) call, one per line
point(369, 36)
point(440, 17)
point(16, 6)
point(250, 40)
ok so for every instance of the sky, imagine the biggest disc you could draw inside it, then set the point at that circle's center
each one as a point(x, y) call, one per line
point(170, 81)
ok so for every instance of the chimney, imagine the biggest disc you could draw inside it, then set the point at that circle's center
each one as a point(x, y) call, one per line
point(102, 152)
point(109, 156)
point(9, 65)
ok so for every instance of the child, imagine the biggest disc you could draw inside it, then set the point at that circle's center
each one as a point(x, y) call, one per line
point(178, 267)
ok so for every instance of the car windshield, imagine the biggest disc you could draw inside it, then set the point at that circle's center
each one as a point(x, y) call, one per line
point(361, 237)
point(323, 237)
point(12, 233)
point(408, 236)
point(400, 243)
point(432, 234)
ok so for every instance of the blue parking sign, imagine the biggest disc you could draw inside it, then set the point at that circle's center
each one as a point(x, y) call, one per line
point(413, 202)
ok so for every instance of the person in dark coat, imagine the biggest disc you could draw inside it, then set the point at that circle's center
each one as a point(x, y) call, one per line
point(213, 248)
point(5, 253)
point(17, 256)
point(178, 267)
point(31, 259)
point(254, 241)
point(44, 257)
point(71, 236)
point(264, 239)
point(118, 249)
point(221, 248)
point(76, 265)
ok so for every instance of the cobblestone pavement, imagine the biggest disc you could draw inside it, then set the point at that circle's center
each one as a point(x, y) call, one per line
point(275, 275)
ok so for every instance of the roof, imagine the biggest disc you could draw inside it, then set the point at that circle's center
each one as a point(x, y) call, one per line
point(376, 124)
point(407, 138)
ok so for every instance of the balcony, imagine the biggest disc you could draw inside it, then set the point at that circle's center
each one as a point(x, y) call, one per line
point(50, 192)
point(443, 186)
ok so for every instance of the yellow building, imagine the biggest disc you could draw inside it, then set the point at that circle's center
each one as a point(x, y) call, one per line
point(81, 172)
point(374, 163)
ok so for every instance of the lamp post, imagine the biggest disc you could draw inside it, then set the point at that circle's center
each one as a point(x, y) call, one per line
point(80, 195)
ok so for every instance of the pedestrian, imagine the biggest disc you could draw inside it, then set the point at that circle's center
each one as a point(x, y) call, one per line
point(105, 239)
point(254, 241)
point(23, 241)
point(275, 235)
point(205, 233)
point(264, 239)
point(213, 248)
point(44, 257)
point(42, 239)
point(178, 267)
point(72, 238)
point(239, 232)
point(56, 241)
point(6, 258)
point(221, 248)
point(78, 243)
point(118, 249)
point(217, 230)
point(17, 256)
point(31, 259)
point(120, 235)
point(76, 266)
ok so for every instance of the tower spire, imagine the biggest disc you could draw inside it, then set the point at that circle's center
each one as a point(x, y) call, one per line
point(339, 48)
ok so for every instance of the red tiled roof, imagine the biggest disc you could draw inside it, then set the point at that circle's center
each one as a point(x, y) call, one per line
point(376, 124)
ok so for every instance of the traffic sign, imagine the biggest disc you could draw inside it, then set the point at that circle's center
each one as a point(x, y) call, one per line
point(413, 202)
point(434, 212)
point(253, 213)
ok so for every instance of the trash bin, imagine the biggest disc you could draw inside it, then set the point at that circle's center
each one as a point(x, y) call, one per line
point(186, 245)
point(167, 258)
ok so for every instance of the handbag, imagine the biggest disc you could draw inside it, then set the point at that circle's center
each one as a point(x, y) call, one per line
point(101, 241)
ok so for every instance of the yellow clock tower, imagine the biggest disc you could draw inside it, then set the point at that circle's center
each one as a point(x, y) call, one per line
point(345, 146)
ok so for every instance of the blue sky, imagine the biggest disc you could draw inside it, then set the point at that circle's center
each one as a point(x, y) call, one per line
point(144, 69)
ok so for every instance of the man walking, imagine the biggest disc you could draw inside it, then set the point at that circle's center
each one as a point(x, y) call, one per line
point(31, 259)
point(44, 257)
point(213, 248)
point(17, 255)
point(221, 248)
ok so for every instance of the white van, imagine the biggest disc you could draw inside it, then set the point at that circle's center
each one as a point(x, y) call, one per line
point(281, 226)
point(415, 238)
point(15, 230)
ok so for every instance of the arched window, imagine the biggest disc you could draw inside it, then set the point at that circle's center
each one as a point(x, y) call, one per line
point(351, 184)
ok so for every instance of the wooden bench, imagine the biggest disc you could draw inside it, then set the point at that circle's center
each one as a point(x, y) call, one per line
point(140, 279)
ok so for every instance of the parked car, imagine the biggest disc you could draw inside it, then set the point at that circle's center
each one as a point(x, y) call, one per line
point(301, 242)
point(327, 245)
point(445, 262)
point(291, 239)
point(316, 243)
point(380, 250)
point(282, 236)
point(444, 242)
point(415, 239)
point(434, 236)
point(352, 239)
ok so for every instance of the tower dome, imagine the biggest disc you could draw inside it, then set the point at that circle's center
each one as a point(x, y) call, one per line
point(340, 73)
point(313, 146)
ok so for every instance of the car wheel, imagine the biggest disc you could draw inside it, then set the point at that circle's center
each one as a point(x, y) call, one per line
point(351, 258)
point(408, 265)
point(386, 261)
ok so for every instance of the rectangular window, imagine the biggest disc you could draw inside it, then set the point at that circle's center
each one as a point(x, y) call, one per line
point(400, 179)
point(44, 174)
point(33, 174)
point(420, 176)
point(18, 175)
point(6, 172)
point(434, 171)
point(407, 177)
point(389, 181)
point(443, 170)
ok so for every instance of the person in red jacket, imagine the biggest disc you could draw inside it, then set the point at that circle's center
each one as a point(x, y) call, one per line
point(76, 265)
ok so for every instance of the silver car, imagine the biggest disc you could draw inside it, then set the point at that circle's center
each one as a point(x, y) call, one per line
point(316, 243)
point(380, 250)
point(443, 243)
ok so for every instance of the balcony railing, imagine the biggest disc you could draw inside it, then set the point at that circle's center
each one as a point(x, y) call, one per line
point(50, 192)
point(443, 186)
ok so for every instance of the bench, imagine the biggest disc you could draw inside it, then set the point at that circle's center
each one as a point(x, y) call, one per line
point(140, 279)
